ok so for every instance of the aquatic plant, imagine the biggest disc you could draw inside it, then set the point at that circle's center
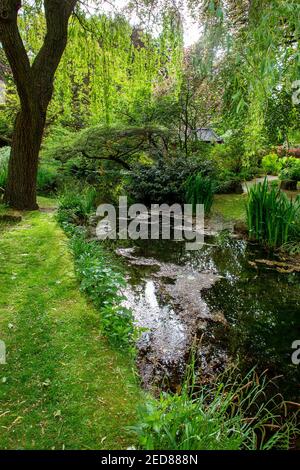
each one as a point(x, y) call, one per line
point(273, 219)
point(231, 414)
point(200, 190)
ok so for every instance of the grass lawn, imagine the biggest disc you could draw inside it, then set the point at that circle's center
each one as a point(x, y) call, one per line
point(62, 386)
point(230, 206)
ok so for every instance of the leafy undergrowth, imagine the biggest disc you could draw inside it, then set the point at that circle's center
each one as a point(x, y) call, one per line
point(63, 386)
point(100, 278)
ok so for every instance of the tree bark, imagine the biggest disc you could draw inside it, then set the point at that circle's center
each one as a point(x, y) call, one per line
point(23, 164)
point(35, 87)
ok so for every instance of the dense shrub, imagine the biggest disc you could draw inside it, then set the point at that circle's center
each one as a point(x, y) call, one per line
point(47, 179)
point(76, 205)
point(229, 156)
point(272, 218)
point(165, 181)
point(271, 164)
point(290, 169)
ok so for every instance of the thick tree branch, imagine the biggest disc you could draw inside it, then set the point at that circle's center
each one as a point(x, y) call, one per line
point(57, 13)
point(14, 48)
point(108, 158)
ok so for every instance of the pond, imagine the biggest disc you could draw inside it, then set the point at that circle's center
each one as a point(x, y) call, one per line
point(217, 302)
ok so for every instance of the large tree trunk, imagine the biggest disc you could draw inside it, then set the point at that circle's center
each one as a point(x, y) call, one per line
point(23, 165)
point(35, 86)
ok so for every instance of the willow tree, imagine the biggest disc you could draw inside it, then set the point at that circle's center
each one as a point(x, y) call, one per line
point(34, 82)
point(255, 45)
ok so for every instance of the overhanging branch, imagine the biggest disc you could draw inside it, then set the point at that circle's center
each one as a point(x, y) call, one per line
point(108, 158)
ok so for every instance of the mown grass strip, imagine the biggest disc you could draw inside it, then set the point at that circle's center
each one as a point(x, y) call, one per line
point(63, 386)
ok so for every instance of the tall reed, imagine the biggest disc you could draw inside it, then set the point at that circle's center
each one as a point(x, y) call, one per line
point(273, 219)
point(200, 190)
point(232, 413)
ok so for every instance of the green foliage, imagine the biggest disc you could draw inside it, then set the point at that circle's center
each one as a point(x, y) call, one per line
point(109, 69)
point(5, 123)
point(271, 164)
point(75, 206)
point(229, 156)
point(281, 117)
point(258, 67)
point(290, 169)
point(200, 190)
point(100, 279)
point(47, 178)
point(102, 282)
point(165, 181)
point(272, 218)
point(217, 417)
point(84, 153)
point(4, 158)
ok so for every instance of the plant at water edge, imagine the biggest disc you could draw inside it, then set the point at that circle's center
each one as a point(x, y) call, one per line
point(103, 282)
point(231, 414)
point(100, 279)
point(200, 190)
point(74, 206)
point(272, 218)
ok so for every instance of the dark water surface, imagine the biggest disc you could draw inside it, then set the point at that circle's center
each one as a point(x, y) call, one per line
point(248, 313)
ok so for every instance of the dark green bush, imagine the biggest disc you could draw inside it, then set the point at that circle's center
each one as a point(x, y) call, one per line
point(165, 181)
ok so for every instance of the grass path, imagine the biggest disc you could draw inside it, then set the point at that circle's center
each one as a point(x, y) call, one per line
point(62, 386)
